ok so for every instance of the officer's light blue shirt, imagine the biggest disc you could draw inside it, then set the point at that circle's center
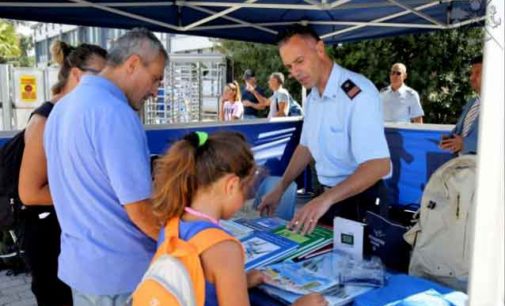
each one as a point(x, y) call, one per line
point(342, 133)
point(401, 105)
point(98, 160)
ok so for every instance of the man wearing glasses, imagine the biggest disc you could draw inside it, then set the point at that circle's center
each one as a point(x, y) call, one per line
point(400, 102)
point(99, 173)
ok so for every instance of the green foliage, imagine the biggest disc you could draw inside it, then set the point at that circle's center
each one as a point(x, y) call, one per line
point(263, 59)
point(437, 63)
point(438, 66)
point(9, 42)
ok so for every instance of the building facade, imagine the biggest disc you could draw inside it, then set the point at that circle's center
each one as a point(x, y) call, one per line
point(45, 33)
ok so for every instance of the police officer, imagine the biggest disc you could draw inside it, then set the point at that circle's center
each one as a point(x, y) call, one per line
point(342, 131)
point(401, 103)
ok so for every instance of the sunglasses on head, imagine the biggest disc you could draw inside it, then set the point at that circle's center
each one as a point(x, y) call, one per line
point(396, 73)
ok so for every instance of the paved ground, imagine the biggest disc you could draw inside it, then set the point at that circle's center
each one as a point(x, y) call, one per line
point(15, 290)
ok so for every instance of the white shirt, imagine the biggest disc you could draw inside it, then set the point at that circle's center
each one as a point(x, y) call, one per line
point(401, 105)
point(280, 95)
point(343, 132)
point(232, 110)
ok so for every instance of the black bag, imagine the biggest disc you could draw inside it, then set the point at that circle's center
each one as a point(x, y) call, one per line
point(12, 211)
point(385, 240)
point(11, 155)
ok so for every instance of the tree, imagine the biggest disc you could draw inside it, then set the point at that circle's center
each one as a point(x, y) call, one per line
point(9, 42)
point(438, 65)
point(437, 62)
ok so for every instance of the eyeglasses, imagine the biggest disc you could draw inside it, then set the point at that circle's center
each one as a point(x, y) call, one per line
point(396, 73)
point(90, 70)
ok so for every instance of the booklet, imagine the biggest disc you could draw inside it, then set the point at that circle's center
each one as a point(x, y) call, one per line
point(262, 248)
point(264, 224)
point(237, 230)
point(322, 274)
point(314, 275)
point(344, 296)
point(319, 238)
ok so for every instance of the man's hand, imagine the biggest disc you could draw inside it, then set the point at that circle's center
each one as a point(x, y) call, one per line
point(270, 201)
point(454, 144)
point(249, 86)
point(247, 103)
point(306, 218)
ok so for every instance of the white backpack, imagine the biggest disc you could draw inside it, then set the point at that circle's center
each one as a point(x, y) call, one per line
point(442, 238)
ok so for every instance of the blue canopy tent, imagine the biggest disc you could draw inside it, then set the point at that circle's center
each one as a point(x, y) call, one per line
point(335, 21)
point(257, 20)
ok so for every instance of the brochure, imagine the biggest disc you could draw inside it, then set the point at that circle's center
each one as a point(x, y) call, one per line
point(348, 236)
point(237, 230)
point(262, 248)
point(263, 224)
point(289, 281)
point(319, 238)
point(314, 275)
point(344, 296)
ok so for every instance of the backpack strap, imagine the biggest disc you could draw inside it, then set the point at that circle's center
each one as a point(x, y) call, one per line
point(210, 237)
point(202, 241)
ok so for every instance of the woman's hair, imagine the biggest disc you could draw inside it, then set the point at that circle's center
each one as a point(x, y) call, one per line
point(69, 57)
point(189, 166)
point(235, 87)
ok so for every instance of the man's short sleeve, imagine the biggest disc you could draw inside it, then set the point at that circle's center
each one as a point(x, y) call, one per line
point(416, 110)
point(123, 152)
point(367, 128)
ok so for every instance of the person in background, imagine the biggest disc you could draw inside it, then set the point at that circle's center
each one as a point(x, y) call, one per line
point(41, 228)
point(199, 181)
point(343, 131)
point(100, 177)
point(231, 106)
point(280, 101)
point(251, 96)
point(464, 137)
point(400, 102)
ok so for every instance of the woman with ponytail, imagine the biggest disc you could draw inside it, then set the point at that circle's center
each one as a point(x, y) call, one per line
point(42, 231)
point(200, 180)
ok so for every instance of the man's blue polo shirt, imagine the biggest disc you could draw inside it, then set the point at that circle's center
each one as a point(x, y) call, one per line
point(98, 160)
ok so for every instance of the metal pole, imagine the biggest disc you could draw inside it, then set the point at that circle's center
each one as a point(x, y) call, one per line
point(5, 97)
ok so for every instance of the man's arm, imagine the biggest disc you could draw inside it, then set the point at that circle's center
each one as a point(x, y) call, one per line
point(283, 109)
point(299, 161)
point(141, 214)
point(367, 174)
point(418, 119)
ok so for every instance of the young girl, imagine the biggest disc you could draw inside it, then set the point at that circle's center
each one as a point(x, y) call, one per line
point(203, 179)
point(231, 106)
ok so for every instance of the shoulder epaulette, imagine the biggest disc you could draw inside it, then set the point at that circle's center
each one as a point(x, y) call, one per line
point(350, 89)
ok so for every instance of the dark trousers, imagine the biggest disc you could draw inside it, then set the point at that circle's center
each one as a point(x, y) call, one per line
point(355, 207)
point(42, 247)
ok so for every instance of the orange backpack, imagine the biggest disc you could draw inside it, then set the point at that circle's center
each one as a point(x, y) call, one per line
point(175, 276)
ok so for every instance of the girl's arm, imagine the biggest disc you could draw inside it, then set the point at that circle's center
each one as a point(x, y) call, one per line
point(223, 265)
